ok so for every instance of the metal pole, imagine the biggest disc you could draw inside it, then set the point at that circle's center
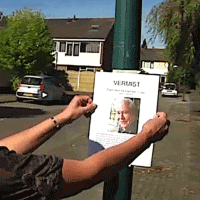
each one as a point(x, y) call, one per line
point(126, 56)
point(127, 35)
point(184, 90)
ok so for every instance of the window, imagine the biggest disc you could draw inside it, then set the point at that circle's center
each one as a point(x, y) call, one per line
point(152, 65)
point(83, 47)
point(62, 47)
point(76, 50)
point(146, 65)
point(162, 80)
point(94, 27)
point(90, 47)
point(170, 87)
point(31, 81)
point(69, 50)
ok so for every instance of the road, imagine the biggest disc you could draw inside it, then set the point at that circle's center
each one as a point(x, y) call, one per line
point(170, 160)
point(25, 115)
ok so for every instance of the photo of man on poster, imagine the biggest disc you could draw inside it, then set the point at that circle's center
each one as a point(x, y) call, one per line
point(125, 113)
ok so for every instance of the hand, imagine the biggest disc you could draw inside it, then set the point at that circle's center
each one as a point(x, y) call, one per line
point(81, 105)
point(156, 128)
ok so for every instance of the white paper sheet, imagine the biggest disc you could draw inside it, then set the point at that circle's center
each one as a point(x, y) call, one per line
point(109, 90)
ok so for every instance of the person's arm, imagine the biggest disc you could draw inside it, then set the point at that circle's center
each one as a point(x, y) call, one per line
point(27, 141)
point(80, 175)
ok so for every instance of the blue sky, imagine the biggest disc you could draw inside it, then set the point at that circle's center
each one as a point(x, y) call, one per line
point(80, 8)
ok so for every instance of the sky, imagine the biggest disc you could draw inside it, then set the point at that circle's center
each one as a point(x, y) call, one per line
point(80, 8)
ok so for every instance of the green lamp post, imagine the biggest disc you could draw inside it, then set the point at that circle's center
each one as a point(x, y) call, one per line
point(126, 56)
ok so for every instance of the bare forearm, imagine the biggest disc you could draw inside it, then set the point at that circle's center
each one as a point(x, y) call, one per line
point(115, 158)
point(103, 164)
point(29, 140)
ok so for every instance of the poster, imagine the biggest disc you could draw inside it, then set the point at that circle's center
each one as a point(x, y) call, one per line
point(125, 102)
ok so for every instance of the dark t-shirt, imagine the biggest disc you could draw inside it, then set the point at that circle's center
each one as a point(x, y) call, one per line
point(28, 176)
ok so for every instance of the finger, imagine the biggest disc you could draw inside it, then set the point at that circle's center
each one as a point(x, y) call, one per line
point(166, 127)
point(168, 122)
point(88, 114)
point(162, 118)
point(161, 114)
point(85, 98)
point(91, 111)
point(89, 100)
point(157, 115)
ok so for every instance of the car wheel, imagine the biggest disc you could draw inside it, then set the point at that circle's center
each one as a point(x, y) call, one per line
point(19, 99)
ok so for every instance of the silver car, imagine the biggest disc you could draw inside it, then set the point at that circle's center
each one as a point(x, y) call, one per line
point(41, 88)
point(169, 89)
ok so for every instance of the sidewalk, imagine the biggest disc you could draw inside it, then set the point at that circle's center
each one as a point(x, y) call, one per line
point(194, 143)
point(176, 164)
point(6, 98)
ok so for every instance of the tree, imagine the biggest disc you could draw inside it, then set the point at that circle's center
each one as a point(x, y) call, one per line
point(1, 15)
point(144, 44)
point(175, 75)
point(178, 22)
point(26, 45)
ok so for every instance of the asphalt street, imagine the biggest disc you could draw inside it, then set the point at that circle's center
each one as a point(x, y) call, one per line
point(176, 161)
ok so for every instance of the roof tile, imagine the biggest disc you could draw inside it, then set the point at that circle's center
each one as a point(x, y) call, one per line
point(80, 28)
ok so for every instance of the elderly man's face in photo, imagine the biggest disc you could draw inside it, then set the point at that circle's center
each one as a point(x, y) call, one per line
point(125, 115)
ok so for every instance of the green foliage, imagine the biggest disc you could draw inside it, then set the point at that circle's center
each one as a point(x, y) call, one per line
point(15, 82)
point(198, 80)
point(26, 45)
point(175, 75)
point(174, 21)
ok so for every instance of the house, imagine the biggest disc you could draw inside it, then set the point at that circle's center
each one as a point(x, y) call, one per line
point(82, 43)
point(153, 61)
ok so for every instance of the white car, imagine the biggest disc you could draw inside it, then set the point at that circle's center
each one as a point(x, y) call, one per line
point(41, 88)
point(169, 89)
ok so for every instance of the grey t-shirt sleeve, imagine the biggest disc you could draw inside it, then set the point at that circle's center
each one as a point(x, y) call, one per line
point(29, 176)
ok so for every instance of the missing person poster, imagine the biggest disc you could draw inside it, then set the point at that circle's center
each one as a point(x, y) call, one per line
point(125, 102)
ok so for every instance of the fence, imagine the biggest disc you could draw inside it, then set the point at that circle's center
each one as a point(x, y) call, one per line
point(81, 80)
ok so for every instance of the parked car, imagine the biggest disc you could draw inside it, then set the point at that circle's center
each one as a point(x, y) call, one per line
point(40, 88)
point(169, 89)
